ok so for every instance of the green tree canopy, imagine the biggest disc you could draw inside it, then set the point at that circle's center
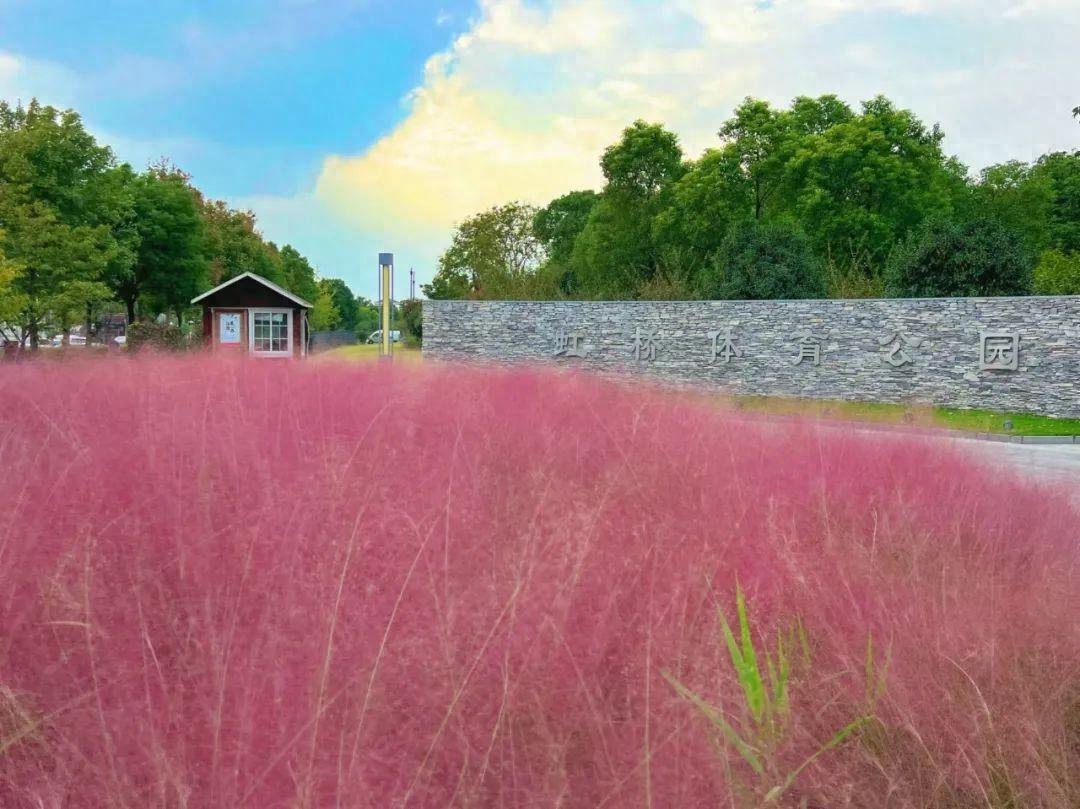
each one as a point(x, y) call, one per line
point(614, 255)
point(558, 225)
point(1020, 198)
point(343, 301)
point(711, 195)
point(492, 254)
point(1061, 172)
point(866, 183)
point(298, 274)
point(170, 266)
point(62, 202)
point(644, 162)
point(324, 314)
point(1058, 273)
point(233, 245)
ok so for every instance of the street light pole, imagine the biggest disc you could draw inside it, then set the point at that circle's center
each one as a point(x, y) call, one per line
point(386, 289)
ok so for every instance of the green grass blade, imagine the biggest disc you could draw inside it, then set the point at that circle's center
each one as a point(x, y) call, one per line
point(744, 659)
point(837, 738)
point(713, 715)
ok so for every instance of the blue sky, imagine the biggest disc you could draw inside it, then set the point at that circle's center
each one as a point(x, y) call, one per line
point(354, 126)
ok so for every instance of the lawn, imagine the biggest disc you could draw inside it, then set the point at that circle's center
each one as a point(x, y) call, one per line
point(364, 352)
point(270, 584)
point(982, 421)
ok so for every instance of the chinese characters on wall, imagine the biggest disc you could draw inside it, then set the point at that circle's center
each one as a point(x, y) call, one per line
point(998, 350)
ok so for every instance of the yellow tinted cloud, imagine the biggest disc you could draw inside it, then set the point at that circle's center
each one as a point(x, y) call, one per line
point(460, 151)
point(522, 105)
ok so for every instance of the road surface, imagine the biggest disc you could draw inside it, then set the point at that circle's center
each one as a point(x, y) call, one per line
point(1053, 462)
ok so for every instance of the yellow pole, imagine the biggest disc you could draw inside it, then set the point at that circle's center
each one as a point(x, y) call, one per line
point(386, 282)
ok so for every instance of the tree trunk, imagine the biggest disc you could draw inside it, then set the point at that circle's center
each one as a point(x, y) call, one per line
point(86, 325)
point(130, 303)
point(34, 337)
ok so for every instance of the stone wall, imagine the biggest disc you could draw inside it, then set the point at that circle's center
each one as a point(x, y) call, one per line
point(1019, 354)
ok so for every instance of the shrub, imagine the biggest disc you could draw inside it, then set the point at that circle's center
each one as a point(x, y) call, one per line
point(156, 336)
point(412, 320)
point(956, 259)
point(231, 584)
point(763, 261)
point(1058, 273)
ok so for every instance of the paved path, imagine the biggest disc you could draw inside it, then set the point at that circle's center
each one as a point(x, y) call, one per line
point(1046, 461)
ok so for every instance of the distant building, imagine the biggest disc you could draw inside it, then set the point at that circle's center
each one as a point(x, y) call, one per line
point(250, 314)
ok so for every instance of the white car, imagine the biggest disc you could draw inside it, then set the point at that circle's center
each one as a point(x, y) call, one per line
point(376, 336)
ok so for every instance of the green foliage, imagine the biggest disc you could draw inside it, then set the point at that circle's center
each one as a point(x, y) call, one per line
point(759, 731)
point(1018, 196)
point(950, 259)
point(710, 196)
point(613, 256)
point(412, 319)
point(763, 261)
point(343, 302)
point(367, 317)
point(1061, 171)
point(62, 202)
point(560, 223)
point(492, 255)
point(233, 246)
point(155, 336)
point(643, 163)
point(324, 314)
point(867, 182)
point(298, 274)
point(1058, 273)
point(74, 221)
point(169, 267)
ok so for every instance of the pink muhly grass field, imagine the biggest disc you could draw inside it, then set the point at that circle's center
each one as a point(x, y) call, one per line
point(264, 584)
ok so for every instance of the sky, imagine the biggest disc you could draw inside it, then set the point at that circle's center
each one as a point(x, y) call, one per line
point(353, 127)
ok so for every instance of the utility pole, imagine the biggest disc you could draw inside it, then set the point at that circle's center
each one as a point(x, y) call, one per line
point(412, 284)
point(386, 288)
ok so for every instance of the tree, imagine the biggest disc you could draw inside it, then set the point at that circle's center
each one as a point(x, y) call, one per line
point(710, 196)
point(756, 138)
point(491, 255)
point(324, 314)
point(1058, 273)
point(77, 301)
point(233, 245)
point(343, 301)
point(763, 261)
point(614, 254)
point(62, 200)
point(1020, 198)
point(1061, 172)
point(864, 184)
point(558, 225)
point(412, 319)
point(367, 314)
point(298, 273)
point(949, 259)
point(11, 302)
point(170, 266)
point(644, 162)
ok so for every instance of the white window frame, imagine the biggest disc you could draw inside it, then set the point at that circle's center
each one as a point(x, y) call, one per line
point(270, 310)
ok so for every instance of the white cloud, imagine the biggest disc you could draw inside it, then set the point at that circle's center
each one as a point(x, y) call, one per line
point(522, 104)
